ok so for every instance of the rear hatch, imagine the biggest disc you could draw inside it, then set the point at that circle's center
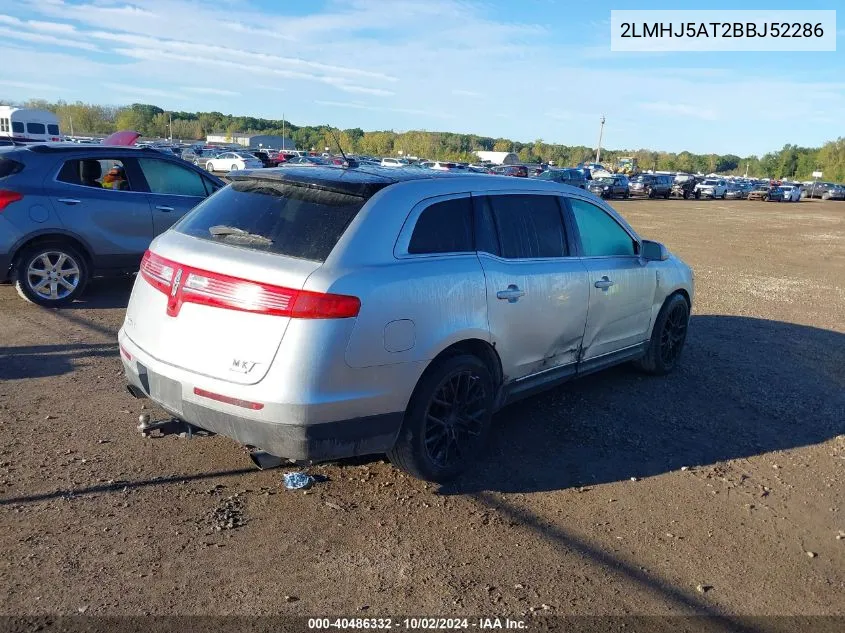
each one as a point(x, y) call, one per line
point(215, 293)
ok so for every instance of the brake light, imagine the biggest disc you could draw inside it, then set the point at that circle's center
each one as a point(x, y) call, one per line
point(317, 305)
point(124, 353)
point(157, 271)
point(8, 197)
point(184, 284)
point(246, 404)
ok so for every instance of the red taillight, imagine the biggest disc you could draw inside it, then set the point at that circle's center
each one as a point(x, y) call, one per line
point(246, 404)
point(125, 354)
point(317, 305)
point(157, 271)
point(193, 285)
point(8, 197)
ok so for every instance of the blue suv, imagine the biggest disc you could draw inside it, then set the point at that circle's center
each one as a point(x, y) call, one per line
point(69, 212)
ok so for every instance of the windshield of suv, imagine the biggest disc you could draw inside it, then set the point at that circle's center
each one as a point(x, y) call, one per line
point(711, 182)
point(276, 217)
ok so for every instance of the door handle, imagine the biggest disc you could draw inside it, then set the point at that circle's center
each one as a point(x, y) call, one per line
point(69, 200)
point(604, 283)
point(512, 294)
point(165, 209)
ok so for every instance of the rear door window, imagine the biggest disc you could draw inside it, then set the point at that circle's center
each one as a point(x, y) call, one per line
point(36, 128)
point(275, 217)
point(444, 227)
point(529, 226)
point(17, 127)
point(169, 178)
point(106, 173)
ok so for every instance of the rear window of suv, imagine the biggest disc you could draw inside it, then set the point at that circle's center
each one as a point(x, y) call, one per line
point(9, 167)
point(281, 218)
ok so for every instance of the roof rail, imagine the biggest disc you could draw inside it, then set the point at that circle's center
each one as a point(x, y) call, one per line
point(58, 148)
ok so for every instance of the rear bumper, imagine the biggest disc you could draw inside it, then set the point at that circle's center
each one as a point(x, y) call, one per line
point(296, 431)
point(313, 442)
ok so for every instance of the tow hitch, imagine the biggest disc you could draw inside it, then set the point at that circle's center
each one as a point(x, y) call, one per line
point(168, 426)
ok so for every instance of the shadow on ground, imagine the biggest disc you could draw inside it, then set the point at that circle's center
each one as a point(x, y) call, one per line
point(745, 387)
point(104, 293)
point(43, 361)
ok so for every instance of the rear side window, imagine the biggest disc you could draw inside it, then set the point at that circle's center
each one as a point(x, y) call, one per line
point(53, 129)
point(169, 178)
point(282, 218)
point(601, 235)
point(444, 227)
point(17, 127)
point(9, 167)
point(36, 128)
point(529, 226)
point(106, 173)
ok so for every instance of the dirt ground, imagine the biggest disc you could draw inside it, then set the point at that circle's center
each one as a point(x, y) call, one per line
point(716, 490)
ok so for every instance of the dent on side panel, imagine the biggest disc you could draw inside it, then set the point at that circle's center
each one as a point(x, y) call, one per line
point(442, 298)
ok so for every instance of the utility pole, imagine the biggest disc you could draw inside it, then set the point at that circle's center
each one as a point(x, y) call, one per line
point(601, 133)
point(71, 125)
point(170, 125)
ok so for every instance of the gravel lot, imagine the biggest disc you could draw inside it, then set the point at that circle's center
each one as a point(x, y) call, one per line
point(716, 490)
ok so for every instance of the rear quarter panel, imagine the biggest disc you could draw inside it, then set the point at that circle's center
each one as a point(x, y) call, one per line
point(444, 296)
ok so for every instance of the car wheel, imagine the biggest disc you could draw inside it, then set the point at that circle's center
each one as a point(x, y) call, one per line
point(668, 194)
point(196, 163)
point(626, 195)
point(52, 275)
point(651, 193)
point(447, 420)
point(667, 338)
point(698, 195)
point(234, 168)
point(209, 167)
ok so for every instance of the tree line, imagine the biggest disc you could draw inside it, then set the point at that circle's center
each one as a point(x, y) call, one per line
point(791, 161)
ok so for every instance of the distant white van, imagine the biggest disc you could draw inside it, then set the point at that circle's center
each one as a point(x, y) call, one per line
point(26, 125)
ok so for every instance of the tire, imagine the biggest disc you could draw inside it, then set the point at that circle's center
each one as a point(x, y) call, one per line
point(672, 322)
point(698, 195)
point(209, 167)
point(651, 193)
point(668, 194)
point(626, 195)
point(53, 264)
point(437, 451)
point(234, 168)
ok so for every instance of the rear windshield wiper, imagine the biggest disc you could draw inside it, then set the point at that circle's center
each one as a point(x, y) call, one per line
point(238, 235)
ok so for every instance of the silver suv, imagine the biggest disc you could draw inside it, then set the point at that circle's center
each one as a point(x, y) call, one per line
point(326, 312)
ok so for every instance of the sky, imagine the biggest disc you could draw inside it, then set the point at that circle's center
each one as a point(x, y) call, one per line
point(519, 69)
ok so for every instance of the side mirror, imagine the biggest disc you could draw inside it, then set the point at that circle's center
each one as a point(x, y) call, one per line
point(654, 251)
